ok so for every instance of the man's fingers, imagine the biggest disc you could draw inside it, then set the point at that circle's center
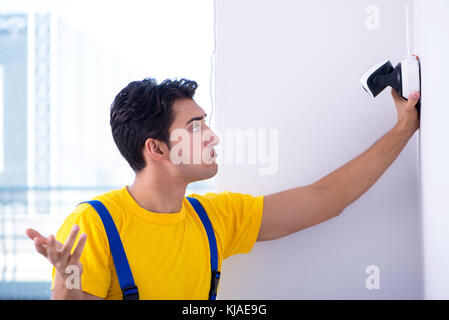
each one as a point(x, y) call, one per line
point(33, 234)
point(79, 248)
point(52, 254)
point(67, 248)
point(396, 96)
point(40, 247)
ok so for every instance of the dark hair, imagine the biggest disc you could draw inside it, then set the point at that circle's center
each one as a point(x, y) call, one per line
point(142, 110)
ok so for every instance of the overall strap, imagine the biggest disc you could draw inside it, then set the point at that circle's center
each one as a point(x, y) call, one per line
point(125, 277)
point(215, 274)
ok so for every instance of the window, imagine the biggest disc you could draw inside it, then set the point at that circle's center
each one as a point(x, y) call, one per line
point(1, 119)
point(61, 66)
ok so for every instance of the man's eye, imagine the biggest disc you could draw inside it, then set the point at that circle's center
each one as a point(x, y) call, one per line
point(196, 125)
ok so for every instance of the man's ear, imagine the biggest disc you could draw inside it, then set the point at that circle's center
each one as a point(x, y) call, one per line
point(156, 149)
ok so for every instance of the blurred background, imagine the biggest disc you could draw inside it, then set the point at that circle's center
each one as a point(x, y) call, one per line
point(288, 65)
point(61, 65)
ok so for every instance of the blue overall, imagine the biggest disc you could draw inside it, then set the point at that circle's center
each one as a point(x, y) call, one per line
point(125, 277)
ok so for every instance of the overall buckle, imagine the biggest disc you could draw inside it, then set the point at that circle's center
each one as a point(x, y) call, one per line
point(130, 293)
point(214, 284)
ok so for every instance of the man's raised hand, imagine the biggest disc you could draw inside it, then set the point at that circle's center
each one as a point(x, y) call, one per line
point(59, 254)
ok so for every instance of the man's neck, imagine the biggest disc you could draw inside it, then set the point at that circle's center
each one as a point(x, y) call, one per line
point(157, 194)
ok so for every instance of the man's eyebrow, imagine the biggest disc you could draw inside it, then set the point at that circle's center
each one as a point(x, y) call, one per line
point(196, 118)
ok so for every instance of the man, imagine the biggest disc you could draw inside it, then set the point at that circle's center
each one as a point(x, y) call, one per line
point(163, 238)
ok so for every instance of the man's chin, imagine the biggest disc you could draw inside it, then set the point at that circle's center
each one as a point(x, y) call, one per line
point(212, 169)
point(207, 172)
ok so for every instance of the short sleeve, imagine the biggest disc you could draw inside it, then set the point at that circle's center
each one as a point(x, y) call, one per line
point(95, 258)
point(245, 224)
point(236, 218)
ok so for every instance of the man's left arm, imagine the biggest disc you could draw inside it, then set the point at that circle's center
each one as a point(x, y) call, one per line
point(295, 209)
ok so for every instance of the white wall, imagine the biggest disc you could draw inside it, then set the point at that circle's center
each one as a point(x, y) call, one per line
point(294, 66)
point(433, 49)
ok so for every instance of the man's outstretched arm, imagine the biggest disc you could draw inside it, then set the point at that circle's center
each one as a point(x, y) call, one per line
point(294, 209)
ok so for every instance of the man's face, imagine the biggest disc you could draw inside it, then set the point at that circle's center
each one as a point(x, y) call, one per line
point(192, 142)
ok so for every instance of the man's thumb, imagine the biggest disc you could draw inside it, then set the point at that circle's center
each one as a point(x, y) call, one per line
point(32, 234)
point(413, 97)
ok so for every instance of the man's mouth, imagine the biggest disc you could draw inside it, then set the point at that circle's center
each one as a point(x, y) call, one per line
point(212, 152)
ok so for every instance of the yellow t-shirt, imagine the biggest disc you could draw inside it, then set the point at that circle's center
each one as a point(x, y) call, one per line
point(168, 253)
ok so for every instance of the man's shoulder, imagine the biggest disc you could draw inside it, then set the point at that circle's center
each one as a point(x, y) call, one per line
point(112, 197)
point(88, 218)
point(112, 200)
point(210, 198)
point(228, 204)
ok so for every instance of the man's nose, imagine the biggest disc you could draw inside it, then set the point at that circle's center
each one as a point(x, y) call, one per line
point(214, 139)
